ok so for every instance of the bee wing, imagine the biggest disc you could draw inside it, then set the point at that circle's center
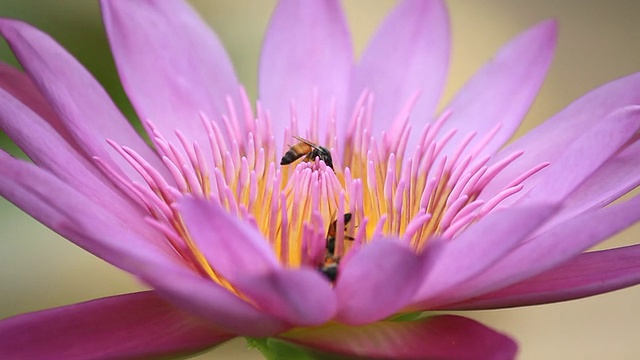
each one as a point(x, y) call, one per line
point(303, 140)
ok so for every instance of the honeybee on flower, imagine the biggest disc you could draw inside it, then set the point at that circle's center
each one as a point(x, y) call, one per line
point(229, 237)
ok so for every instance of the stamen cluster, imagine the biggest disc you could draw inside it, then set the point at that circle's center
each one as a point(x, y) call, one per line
point(310, 213)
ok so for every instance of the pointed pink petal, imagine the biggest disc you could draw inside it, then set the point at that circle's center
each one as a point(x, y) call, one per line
point(88, 224)
point(548, 141)
point(477, 248)
point(210, 301)
point(409, 54)
point(65, 211)
point(436, 337)
point(18, 85)
point(504, 89)
point(171, 64)
point(87, 111)
point(552, 248)
point(242, 255)
point(47, 149)
point(589, 274)
point(216, 232)
point(139, 325)
point(377, 282)
point(149, 257)
point(585, 156)
point(306, 49)
point(613, 179)
point(302, 297)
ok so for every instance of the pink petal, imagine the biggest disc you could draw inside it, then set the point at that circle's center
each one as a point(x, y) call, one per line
point(301, 296)
point(503, 90)
point(601, 188)
point(208, 300)
point(585, 156)
point(409, 54)
point(171, 64)
point(306, 50)
point(548, 141)
point(86, 223)
point(49, 150)
point(552, 248)
point(241, 255)
point(479, 247)
point(88, 113)
point(246, 251)
point(138, 325)
point(377, 282)
point(64, 210)
point(589, 274)
point(18, 85)
point(436, 337)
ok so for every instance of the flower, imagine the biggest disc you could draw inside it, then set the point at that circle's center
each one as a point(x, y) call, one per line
point(235, 244)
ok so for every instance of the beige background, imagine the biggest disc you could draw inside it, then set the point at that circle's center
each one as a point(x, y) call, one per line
point(599, 41)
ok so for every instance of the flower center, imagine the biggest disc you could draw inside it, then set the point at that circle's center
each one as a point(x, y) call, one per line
point(315, 202)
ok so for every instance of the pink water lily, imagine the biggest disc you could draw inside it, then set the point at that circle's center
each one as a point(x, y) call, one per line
point(442, 215)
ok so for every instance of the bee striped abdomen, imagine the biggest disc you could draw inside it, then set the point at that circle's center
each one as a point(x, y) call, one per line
point(296, 152)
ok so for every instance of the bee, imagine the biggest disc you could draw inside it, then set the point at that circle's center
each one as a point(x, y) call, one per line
point(309, 150)
point(329, 267)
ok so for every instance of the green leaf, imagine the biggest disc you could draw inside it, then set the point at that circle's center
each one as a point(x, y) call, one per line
point(276, 349)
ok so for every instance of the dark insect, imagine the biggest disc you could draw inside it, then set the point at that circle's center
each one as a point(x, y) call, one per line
point(329, 267)
point(309, 150)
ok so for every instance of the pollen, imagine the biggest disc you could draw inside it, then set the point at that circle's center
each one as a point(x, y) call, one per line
point(325, 200)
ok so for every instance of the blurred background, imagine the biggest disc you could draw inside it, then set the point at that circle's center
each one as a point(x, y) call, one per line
point(599, 41)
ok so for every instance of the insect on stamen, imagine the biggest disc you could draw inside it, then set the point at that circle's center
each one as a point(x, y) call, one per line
point(309, 150)
point(329, 267)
